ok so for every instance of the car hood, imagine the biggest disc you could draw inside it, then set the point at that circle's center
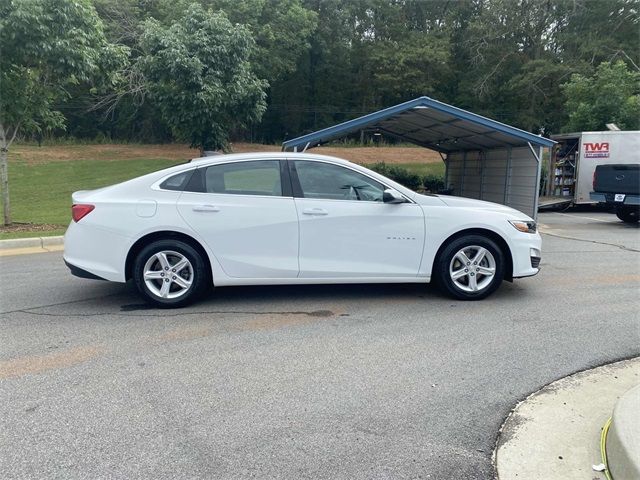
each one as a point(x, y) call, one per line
point(472, 204)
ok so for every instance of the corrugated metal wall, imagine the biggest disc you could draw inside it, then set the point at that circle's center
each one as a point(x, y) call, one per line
point(507, 175)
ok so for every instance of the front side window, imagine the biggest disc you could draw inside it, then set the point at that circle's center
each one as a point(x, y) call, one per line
point(327, 181)
point(261, 177)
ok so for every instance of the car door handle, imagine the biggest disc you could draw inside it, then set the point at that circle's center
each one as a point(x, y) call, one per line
point(315, 211)
point(206, 208)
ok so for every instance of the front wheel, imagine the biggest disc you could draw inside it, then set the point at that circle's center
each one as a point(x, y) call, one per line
point(628, 214)
point(470, 267)
point(170, 273)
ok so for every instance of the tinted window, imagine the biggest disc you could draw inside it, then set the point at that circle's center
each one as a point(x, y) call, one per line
point(244, 178)
point(323, 180)
point(177, 182)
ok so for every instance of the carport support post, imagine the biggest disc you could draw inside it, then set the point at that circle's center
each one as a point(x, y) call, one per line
point(536, 193)
point(507, 177)
point(483, 164)
point(464, 173)
point(446, 169)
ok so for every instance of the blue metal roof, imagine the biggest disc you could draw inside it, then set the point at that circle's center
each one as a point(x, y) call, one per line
point(428, 123)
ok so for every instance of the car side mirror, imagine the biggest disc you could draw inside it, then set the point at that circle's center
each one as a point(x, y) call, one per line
point(392, 196)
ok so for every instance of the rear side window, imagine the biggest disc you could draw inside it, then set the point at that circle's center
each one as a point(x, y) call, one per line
point(177, 182)
point(260, 177)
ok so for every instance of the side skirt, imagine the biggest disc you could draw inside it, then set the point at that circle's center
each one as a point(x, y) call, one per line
point(228, 281)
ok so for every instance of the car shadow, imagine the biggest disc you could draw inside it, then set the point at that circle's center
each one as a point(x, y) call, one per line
point(285, 295)
point(124, 298)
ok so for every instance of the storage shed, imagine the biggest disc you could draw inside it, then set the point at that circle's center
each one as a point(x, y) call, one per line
point(484, 159)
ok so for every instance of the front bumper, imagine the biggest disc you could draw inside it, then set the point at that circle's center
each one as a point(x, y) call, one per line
point(526, 255)
point(535, 262)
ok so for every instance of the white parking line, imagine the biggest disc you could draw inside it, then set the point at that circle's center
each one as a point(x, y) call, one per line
point(580, 216)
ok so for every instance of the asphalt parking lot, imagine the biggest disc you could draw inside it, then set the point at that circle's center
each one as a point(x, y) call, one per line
point(384, 381)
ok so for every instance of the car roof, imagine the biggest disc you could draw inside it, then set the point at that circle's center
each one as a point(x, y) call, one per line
point(212, 160)
point(198, 162)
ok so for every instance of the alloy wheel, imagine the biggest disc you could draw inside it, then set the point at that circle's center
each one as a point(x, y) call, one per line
point(168, 274)
point(472, 268)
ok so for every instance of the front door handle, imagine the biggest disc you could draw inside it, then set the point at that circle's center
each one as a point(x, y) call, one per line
point(315, 211)
point(206, 208)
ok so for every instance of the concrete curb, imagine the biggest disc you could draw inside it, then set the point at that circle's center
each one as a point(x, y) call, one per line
point(18, 246)
point(623, 441)
point(555, 432)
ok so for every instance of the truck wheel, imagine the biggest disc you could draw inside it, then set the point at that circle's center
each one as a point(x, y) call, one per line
point(628, 214)
point(470, 267)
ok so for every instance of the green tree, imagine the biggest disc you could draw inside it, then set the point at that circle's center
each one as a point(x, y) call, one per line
point(280, 28)
point(47, 47)
point(197, 72)
point(611, 95)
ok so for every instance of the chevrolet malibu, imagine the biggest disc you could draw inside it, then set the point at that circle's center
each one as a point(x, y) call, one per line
point(290, 218)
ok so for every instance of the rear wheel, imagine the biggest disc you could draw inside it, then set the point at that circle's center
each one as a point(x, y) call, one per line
point(470, 267)
point(628, 214)
point(170, 273)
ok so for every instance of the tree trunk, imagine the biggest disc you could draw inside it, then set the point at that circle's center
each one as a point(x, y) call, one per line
point(4, 181)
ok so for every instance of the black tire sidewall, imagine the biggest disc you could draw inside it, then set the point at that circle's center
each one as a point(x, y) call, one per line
point(442, 266)
point(628, 215)
point(200, 275)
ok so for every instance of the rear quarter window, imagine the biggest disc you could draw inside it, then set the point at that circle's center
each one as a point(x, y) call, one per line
point(177, 182)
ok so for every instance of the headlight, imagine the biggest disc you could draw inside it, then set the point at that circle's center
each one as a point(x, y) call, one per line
point(523, 226)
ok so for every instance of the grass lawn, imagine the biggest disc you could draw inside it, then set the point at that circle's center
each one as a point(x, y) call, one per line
point(41, 193)
point(41, 179)
point(28, 234)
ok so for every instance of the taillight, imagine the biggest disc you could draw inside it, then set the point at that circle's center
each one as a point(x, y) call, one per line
point(79, 211)
point(593, 182)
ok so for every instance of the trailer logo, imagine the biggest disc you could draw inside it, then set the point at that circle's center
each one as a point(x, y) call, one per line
point(596, 150)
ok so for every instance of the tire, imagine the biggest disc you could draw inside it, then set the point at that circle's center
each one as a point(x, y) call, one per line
point(628, 214)
point(163, 286)
point(469, 284)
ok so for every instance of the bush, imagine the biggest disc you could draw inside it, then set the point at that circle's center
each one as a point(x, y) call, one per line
point(433, 183)
point(398, 174)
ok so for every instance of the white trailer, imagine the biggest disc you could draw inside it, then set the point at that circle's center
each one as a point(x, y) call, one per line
point(575, 157)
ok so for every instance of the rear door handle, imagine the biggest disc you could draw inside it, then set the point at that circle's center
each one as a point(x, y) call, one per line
point(315, 211)
point(206, 208)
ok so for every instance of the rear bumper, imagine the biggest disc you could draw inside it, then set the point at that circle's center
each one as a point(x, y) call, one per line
point(610, 198)
point(91, 251)
point(79, 272)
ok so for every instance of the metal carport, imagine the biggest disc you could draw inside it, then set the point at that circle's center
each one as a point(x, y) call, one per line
point(484, 159)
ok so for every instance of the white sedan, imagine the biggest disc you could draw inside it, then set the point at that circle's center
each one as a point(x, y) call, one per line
point(291, 218)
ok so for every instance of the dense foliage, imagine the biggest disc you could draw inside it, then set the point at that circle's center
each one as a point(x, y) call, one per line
point(399, 174)
point(197, 73)
point(609, 96)
point(48, 48)
point(427, 183)
point(330, 60)
point(326, 61)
